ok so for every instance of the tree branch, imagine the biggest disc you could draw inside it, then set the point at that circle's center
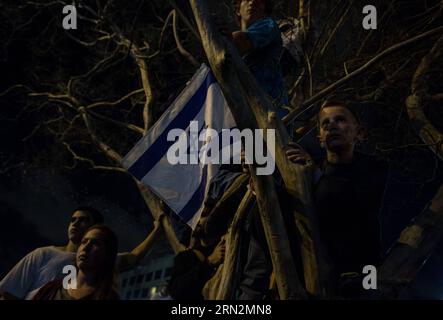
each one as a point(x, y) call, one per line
point(17, 86)
point(185, 19)
point(334, 30)
point(180, 48)
point(138, 57)
point(414, 246)
point(308, 103)
point(244, 95)
point(420, 96)
point(228, 273)
point(126, 125)
point(116, 102)
point(107, 150)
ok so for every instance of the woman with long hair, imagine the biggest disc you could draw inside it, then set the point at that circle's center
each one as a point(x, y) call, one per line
point(95, 263)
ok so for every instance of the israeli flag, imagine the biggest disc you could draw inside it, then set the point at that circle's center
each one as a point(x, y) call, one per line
point(183, 187)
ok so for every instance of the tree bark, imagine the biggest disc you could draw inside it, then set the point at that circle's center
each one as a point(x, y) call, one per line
point(413, 248)
point(228, 278)
point(252, 109)
point(418, 240)
point(420, 97)
point(323, 93)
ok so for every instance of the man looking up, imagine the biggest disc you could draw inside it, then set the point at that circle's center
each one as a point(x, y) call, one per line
point(348, 192)
point(46, 264)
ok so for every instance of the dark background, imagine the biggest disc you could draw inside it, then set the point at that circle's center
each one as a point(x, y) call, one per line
point(41, 183)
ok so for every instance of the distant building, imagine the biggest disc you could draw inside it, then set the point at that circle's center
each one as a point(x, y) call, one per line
point(146, 281)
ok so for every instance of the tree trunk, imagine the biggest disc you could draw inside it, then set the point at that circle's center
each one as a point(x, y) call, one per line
point(413, 248)
point(420, 96)
point(252, 109)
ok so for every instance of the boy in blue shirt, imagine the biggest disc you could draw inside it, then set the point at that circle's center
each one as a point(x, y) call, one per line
point(259, 42)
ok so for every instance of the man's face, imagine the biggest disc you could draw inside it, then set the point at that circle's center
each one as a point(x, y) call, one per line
point(339, 130)
point(80, 223)
point(91, 252)
point(252, 10)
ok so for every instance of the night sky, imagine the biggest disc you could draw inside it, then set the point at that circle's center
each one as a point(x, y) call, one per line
point(38, 192)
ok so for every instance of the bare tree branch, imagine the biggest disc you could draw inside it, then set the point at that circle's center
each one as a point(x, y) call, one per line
point(116, 102)
point(144, 74)
point(334, 31)
point(17, 86)
point(181, 49)
point(185, 19)
point(126, 125)
point(107, 150)
point(361, 70)
point(243, 95)
point(414, 246)
point(416, 101)
point(45, 123)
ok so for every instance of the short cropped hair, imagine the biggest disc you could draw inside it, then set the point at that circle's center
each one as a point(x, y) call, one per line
point(95, 215)
point(269, 6)
point(339, 102)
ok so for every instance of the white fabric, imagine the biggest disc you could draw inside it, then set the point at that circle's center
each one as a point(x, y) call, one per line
point(35, 270)
point(182, 186)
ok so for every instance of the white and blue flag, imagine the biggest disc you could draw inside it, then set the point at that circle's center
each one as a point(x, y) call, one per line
point(183, 187)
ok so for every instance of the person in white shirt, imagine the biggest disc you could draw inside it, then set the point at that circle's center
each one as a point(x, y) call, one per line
point(46, 264)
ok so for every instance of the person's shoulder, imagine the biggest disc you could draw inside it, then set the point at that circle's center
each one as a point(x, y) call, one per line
point(50, 252)
point(47, 250)
point(40, 251)
point(269, 20)
point(266, 22)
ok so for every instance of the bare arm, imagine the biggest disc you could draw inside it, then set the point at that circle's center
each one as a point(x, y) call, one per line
point(130, 260)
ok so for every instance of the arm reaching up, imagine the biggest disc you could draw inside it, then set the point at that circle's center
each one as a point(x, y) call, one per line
point(131, 259)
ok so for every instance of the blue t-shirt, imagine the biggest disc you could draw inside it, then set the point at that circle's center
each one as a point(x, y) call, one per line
point(264, 58)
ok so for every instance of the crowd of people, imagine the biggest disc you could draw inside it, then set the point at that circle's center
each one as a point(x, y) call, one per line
point(91, 249)
point(348, 191)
